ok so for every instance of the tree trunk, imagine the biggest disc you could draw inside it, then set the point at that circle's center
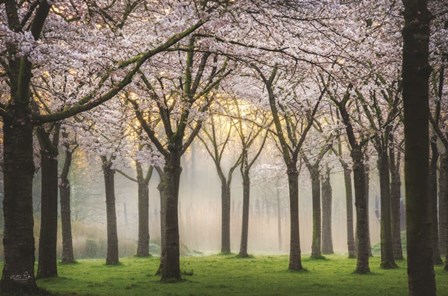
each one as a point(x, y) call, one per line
point(443, 181)
point(112, 237)
point(170, 192)
point(295, 259)
point(225, 218)
point(395, 196)
point(66, 224)
point(18, 238)
point(279, 219)
point(349, 207)
point(143, 219)
point(327, 196)
point(367, 196)
point(316, 246)
point(245, 220)
point(47, 263)
point(162, 221)
point(437, 260)
point(415, 72)
point(387, 254)
point(362, 216)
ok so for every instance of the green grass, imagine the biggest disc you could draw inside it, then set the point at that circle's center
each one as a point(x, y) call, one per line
point(228, 275)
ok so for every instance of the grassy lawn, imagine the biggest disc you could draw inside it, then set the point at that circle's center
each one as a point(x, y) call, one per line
point(227, 275)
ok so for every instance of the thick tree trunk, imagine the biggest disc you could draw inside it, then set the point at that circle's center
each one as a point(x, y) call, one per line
point(225, 218)
point(362, 216)
point(327, 196)
point(295, 259)
point(143, 219)
point(316, 247)
point(367, 196)
point(395, 196)
point(170, 192)
point(415, 72)
point(18, 238)
point(437, 260)
point(47, 262)
point(245, 218)
point(387, 254)
point(443, 181)
point(112, 237)
point(349, 209)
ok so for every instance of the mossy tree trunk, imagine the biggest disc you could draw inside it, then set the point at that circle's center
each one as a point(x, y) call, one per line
point(415, 73)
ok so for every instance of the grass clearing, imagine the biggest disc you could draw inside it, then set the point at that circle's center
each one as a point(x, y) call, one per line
point(227, 275)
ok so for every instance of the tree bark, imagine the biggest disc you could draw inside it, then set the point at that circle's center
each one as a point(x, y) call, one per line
point(367, 197)
point(66, 226)
point(295, 259)
point(18, 239)
point(415, 73)
point(225, 218)
point(316, 247)
point(143, 213)
point(143, 220)
point(387, 254)
point(47, 262)
point(279, 219)
point(443, 181)
point(112, 236)
point(395, 194)
point(436, 258)
point(327, 196)
point(170, 192)
point(245, 218)
point(362, 216)
point(349, 209)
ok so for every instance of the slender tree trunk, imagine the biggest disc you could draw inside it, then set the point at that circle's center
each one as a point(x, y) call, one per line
point(362, 216)
point(295, 259)
point(415, 72)
point(18, 238)
point(143, 219)
point(112, 237)
point(279, 219)
point(395, 194)
point(245, 220)
point(225, 218)
point(349, 208)
point(170, 189)
point(327, 196)
point(387, 254)
point(66, 224)
point(316, 246)
point(443, 181)
point(437, 260)
point(47, 263)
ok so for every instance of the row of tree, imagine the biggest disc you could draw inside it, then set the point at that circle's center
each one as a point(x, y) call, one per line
point(88, 73)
